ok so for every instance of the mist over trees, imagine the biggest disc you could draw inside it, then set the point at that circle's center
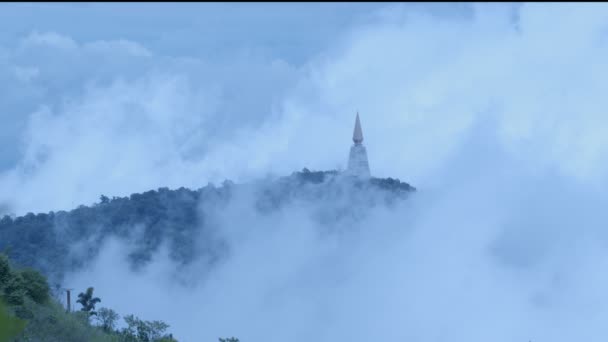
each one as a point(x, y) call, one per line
point(58, 242)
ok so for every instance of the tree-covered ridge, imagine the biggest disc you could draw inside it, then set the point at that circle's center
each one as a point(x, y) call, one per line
point(57, 242)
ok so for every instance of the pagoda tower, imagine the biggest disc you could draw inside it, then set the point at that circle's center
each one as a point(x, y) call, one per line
point(358, 165)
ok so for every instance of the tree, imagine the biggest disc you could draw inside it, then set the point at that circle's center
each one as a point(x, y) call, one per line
point(145, 331)
point(14, 289)
point(88, 302)
point(5, 270)
point(107, 319)
point(104, 199)
point(36, 286)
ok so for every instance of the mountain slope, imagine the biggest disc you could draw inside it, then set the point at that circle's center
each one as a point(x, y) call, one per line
point(63, 241)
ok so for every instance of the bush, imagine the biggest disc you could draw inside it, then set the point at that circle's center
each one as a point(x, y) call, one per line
point(51, 323)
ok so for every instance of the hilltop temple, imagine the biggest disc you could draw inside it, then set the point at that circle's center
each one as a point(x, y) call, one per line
point(358, 165)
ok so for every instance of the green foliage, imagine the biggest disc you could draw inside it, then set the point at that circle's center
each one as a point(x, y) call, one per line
point(144, 331)
point(15, 289)
point(167, 339)
point(36, 286)
point(5, 270)
point(19, 286)
point(40, 318)
point(88, 302)
point(9, 326)
point(107, 318)
point(51, 323)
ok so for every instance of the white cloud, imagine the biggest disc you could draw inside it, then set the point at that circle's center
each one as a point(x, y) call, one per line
point(50, 39)
point(131, 48)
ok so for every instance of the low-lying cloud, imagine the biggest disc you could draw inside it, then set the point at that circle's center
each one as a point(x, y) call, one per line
point(497, 118)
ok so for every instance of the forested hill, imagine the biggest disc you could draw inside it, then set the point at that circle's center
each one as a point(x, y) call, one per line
point(57, 242)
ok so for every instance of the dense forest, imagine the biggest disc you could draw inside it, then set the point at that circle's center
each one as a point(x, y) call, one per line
point(58, 242)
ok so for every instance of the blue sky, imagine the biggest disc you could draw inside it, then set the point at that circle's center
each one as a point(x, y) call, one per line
point(293, 31)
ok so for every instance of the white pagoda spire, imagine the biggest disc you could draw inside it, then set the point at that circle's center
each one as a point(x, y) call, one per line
point(357, 133)
point(358, 165)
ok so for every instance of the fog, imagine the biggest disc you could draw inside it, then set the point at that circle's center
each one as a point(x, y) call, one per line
point(496, 115)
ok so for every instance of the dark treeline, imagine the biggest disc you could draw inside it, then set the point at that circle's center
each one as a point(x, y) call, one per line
point(57, 242)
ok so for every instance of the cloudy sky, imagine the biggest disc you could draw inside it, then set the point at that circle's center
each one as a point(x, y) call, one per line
point(495, 112)
point(214, 90)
